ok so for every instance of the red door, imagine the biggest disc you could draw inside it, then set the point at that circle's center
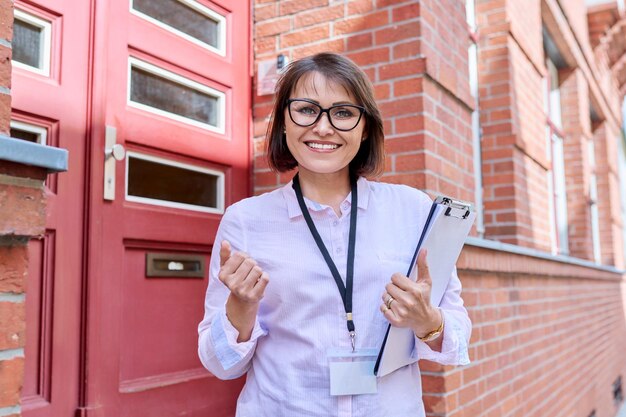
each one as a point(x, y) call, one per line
point(49, 100)
point(172, 86)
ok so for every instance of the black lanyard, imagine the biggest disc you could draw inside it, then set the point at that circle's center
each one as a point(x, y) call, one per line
point(345, 291)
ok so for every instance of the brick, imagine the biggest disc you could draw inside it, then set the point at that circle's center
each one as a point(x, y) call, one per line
point(273, 27)
point(12, 325)
point(360, 7)
point(294, 6)
point(13, 268)
point(361, 23)
point(6, 20)
point(370, 57)
point(303, 36)
point(408, 87)
point(397, 33)
point(364, 40)
point(316, 16)
point(11, 377)
point(5, 66)
point(402, 68)
point(410, 11)
point(265, 12)
point(22, 210)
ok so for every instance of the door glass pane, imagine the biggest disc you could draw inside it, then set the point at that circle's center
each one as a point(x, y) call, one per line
point(148, 179)
point(24, 135)
point(166, 95)
point(27, 43)
point(29, 132)
point(183, 18)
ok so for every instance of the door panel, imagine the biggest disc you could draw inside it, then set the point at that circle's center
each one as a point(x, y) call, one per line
point(53, 100)
point(142, 329)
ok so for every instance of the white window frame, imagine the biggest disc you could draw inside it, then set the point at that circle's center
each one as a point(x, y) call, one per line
point(211, 14)
point(472, 53)
point(621, 160)
point(46, 42)
point(170, 204)
point(179, 79)
point(593, 204)
point(42, 132)
point(556, 183)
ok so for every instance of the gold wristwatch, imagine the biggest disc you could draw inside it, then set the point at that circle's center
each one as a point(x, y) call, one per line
point(432, 335)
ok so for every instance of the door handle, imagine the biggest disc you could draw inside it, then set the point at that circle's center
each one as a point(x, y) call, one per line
point(113, 152)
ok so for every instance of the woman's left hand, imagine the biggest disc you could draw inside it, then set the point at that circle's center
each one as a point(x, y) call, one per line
point(409, 305)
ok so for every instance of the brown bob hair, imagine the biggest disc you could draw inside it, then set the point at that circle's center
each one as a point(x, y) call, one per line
point(370, 159)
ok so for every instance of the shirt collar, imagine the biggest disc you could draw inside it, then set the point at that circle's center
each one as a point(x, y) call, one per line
point(293, 208)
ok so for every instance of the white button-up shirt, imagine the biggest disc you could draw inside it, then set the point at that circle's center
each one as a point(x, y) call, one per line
point(301, 316)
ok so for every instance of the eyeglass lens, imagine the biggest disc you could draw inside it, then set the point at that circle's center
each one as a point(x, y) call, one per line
point(342, 117)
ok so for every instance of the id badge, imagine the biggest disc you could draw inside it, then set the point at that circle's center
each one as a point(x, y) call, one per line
point(352, 373)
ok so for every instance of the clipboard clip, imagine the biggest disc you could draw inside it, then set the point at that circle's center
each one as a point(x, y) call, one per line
point(455, 204)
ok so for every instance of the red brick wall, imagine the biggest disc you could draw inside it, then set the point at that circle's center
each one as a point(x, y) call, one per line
point(547, 340)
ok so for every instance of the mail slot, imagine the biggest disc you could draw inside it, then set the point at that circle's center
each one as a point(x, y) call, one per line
point(174, 265)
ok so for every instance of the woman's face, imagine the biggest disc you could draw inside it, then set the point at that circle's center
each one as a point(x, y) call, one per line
point(322, 148)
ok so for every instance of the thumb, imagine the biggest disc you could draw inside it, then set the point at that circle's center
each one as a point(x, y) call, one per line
point(224, 252)
point(423, 273)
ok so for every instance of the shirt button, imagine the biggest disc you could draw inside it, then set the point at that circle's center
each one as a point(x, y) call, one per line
point(335, 223)
point(344, 206)
point(338, 250)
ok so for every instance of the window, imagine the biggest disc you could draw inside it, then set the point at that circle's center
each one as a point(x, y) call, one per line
point(162, 182)
point(163, 92)
point(186, 18)
point(473, 79)
point(29, 132)
point(593, 202)
point(31, 43)
point(622, 174)
point(556, 178)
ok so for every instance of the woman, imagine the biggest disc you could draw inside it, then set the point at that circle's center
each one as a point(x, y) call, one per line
point(295, 284)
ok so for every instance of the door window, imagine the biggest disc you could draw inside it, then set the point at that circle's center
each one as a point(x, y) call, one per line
point(31, 42)
point(162, 182)
point(163, 92)
point(186, 18)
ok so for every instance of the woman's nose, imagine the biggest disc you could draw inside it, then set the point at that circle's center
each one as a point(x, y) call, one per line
point(323, 127)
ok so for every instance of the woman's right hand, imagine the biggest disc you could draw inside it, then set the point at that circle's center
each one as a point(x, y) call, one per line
point(246, 282)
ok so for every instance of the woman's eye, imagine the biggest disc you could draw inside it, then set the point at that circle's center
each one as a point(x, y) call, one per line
point(344, 113)
point(308, 110)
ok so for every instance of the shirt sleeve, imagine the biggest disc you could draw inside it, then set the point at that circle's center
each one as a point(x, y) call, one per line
point(457, 329)
point(218, 349)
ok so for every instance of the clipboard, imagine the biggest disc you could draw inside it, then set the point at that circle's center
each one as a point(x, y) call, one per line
point(447, 226)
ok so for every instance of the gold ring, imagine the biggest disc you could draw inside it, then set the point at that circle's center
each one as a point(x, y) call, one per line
point(389, 301)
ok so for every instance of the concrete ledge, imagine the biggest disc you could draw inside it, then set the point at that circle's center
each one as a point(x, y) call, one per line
point(520, 250)
point(28, 153)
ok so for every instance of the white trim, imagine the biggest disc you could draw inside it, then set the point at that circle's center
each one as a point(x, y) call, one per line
point(211, 14)
point(593, 209)
point(179, 79)
point(45, 38)
point(558, 167)
point(27, 127)
point(521, 250)
point(220, 185)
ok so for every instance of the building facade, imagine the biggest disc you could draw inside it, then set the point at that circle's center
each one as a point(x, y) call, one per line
point(163, 106)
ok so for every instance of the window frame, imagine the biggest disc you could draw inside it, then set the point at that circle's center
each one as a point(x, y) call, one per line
point(184, 81)
point(221, 197)
point(200, 8)
point(46, 39)
point(41, 131)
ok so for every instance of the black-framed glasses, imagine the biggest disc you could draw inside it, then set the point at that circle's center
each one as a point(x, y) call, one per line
point(344, 117)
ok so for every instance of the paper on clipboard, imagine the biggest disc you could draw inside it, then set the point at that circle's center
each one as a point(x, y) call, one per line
point(446, 228)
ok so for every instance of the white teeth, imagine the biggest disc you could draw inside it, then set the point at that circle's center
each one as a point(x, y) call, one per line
point(322, 146)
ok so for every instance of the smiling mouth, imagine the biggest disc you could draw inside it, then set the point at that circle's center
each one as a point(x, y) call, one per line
point(322, 146)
